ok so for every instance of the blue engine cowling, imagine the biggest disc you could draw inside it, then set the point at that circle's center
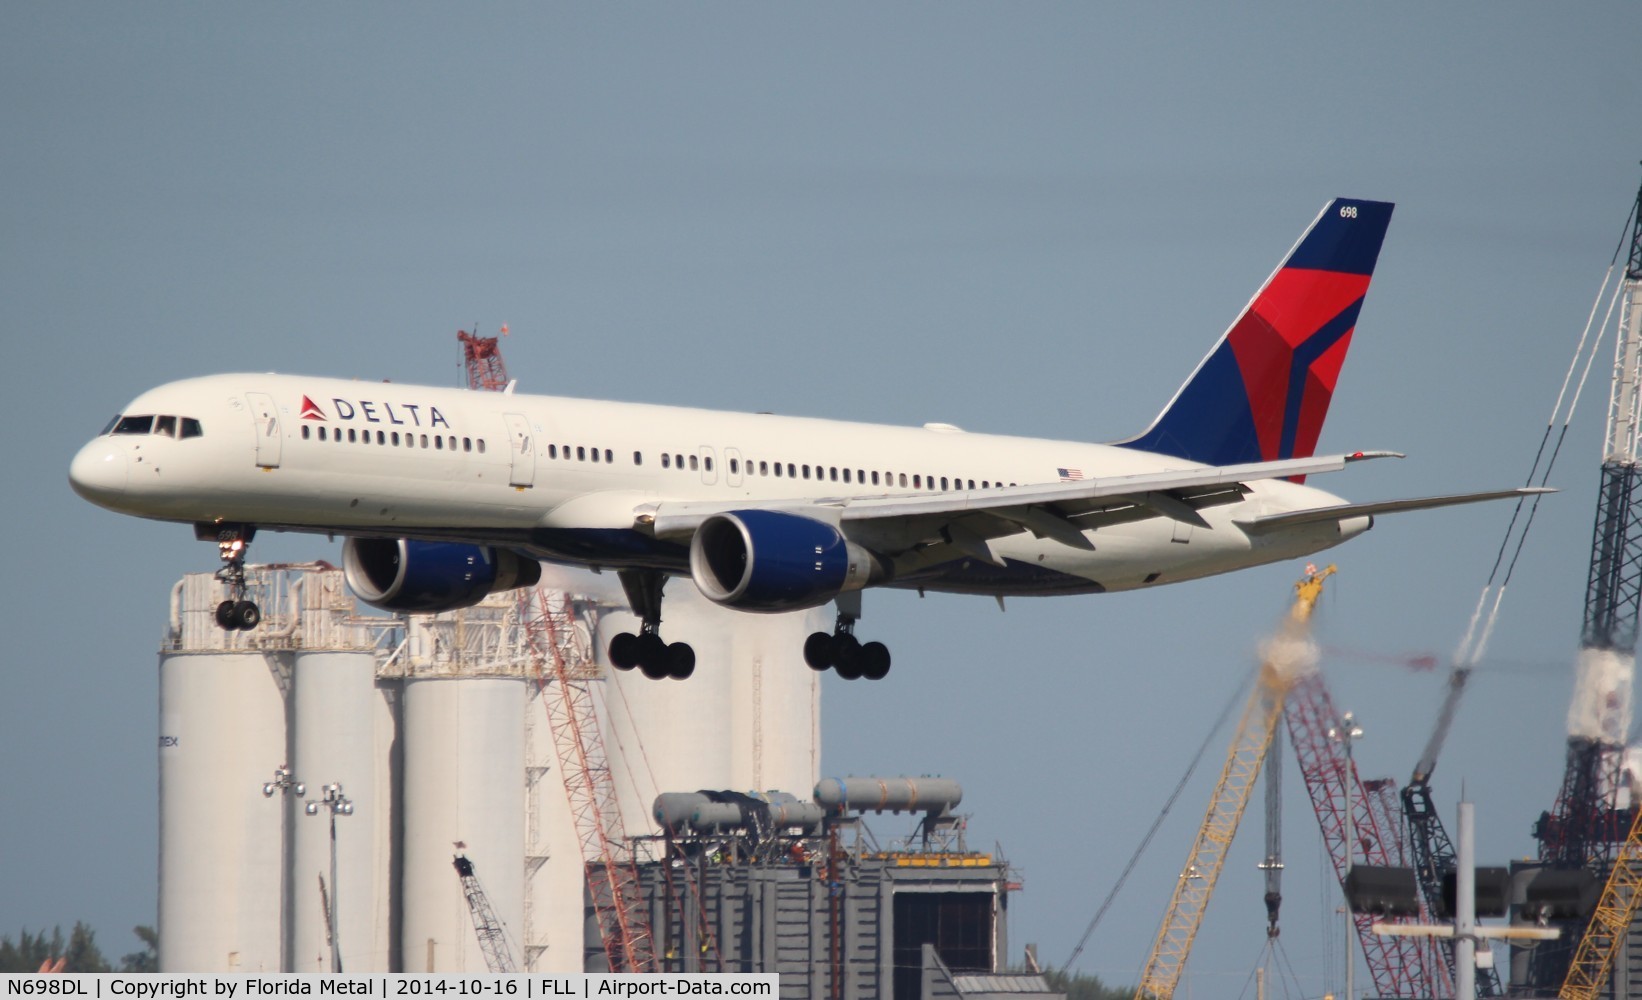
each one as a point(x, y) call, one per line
point(764, 560)
point(396, 574)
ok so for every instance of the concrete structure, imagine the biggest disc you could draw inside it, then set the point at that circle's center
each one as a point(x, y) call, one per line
point(436, 729)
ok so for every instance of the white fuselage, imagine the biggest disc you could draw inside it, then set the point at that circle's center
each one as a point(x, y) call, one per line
point(563, 479)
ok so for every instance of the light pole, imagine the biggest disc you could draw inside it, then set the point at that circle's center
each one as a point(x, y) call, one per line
point(336, 804)
point(286, 784)
point(1346, 732)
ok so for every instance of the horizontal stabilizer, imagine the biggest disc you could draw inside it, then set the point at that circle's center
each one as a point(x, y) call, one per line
point(1314, 515)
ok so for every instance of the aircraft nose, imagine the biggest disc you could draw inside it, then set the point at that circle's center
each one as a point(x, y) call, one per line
point(99, 472)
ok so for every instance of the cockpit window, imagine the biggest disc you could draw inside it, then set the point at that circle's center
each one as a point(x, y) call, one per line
point(190, 428)
point(166, 426)
point(134, 425)
point(110, 425)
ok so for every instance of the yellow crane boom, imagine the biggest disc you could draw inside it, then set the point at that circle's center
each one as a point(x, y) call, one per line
point(1593, 959)
point(1286, 658)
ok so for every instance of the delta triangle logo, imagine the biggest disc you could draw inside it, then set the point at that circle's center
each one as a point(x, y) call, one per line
point(311, 410)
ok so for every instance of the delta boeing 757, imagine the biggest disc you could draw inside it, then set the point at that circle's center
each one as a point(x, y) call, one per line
point(446, 495)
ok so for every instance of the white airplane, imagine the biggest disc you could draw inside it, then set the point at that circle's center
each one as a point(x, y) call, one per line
point(445, 495)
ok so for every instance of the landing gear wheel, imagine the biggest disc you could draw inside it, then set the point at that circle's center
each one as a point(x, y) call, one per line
point(225, 616)
point(247, 615)
point(846, 656)
point(874, 661)
point(681, 661)
point(624, 649)
point(818, 651)
point(652, 656)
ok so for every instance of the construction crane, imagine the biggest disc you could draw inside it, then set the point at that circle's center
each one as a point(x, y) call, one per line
point(486, 924)
point(483, 359)
point(1399, 966)
point(565, 672)
point(1593, 959)
point(1584, 826)
point(1286, 658)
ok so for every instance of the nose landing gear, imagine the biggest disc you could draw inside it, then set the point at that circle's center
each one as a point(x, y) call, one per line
point(654, 656)
point(238, 613)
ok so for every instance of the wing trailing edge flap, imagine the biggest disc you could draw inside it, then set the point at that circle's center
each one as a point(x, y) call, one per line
point(1315, 515)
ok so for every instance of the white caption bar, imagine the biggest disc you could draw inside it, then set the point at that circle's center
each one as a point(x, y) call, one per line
point(589, 986)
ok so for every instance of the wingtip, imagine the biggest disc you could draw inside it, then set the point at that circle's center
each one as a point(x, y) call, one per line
point(1363, 456)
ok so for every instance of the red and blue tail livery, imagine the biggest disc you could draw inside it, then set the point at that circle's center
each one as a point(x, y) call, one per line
point(1262, 392)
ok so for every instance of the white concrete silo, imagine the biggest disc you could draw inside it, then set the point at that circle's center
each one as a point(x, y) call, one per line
point(338, 718)
point(222, 736)
point(464, 784)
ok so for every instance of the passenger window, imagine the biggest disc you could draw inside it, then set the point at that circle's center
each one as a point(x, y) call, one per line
point(666, 460)
point(452, 440)
point(481, 446)
point(609, 456)
point(846, 475)
point(438, 443)
point(305, 430)
point(806, 472)
point(792, 470)
point(734, 467)
point(763, 468)
point(134, 425)
point(985, 485)
point(395, 439)
point(595, 454)
point(694, 464)
point(678, 461)
point(832, 473)
point(552, 451)
point(638, 459)
point(467, 444)
point(166, 426)
point(353, 435)
point(707, 463)
point(943, 482)
point(917, 482)
point(424, 440)
point(778, 470)
point(322, 432)
point(381, 437)
point(581, 453)
point(875, 477)
point(972, 484)
point(860, 476)
point(903, 479)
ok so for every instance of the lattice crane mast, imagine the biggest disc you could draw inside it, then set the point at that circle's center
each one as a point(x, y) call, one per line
point(1584, 826)
point(1610, 922)
point(564, 663)
point(486, 924)
point(1399, 966)
point(483, 359)
point(1286, 657)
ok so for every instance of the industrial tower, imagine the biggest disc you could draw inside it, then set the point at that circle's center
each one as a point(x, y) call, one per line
point(483, 359)
point(1588, 820)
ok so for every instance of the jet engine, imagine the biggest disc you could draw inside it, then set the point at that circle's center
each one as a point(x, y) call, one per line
point(396, 574)
point(764, 560)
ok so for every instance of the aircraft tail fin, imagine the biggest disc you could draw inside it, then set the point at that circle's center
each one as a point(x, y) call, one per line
point(1262, 392)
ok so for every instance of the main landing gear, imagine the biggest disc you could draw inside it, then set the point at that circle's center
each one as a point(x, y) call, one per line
point(842, 651)
point(654, 656)
point(237, 613)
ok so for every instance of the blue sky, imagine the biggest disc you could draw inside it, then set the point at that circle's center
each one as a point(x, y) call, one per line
point(1027, 219)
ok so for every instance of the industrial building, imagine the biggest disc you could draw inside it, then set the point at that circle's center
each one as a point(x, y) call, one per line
point(342, 790)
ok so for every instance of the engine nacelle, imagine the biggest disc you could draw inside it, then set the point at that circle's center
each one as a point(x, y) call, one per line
point(765, 560)
point(396, 574)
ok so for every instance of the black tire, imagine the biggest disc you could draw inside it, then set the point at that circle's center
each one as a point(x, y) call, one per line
point(681, 661)
point(874, 661)
point(652, 656)
point(818, 650)
point(624, 651)
point(225, 616)
point(247, 615)
point(846, 657)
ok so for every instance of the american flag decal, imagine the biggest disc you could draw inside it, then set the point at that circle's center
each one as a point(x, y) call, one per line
point(1070, 475)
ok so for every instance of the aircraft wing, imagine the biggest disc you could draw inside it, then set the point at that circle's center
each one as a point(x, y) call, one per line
point(1046, 509)
point(1314, 515)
